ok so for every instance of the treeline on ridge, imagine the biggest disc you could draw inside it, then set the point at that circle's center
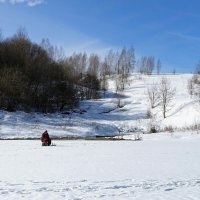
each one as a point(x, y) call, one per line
point(39, 77)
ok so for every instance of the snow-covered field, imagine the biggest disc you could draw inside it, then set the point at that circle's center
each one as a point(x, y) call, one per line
point(161, 166)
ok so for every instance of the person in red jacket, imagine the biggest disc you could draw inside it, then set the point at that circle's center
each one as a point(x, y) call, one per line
point(45, 139)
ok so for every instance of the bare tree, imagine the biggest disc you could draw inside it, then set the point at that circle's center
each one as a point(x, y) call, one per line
point(59, 54)
point(153, 95)
point(103, 75)
point(142, 65)
point(166, 95)
point(83, 64)
point(158, 66)
point(125, 65)
point(194, 83)
point(93, 65)
point(91, 80)
point(110, 62)
point(150, 65)
point(147, 65)
point(131, 59)
point(54, 52)
point(190, 87)
point(106, 69)
point(21, 33)
point(123, 68)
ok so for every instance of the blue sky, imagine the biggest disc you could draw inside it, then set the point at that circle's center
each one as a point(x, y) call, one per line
point(166, 29)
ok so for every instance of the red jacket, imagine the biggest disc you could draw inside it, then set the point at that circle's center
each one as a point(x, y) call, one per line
point(45, 137)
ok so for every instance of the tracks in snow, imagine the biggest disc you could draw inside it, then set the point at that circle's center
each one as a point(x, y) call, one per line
point(82, 190)
point(181, 107)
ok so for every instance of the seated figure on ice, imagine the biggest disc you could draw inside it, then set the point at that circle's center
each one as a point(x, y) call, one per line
point(45, 139)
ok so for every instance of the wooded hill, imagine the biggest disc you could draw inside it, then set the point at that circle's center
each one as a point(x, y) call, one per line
point(39, 77)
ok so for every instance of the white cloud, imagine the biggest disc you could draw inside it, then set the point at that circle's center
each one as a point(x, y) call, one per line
point(185, 37)
point(30, 3)
point(34, 2)
point(77, 41)
point(88, 46)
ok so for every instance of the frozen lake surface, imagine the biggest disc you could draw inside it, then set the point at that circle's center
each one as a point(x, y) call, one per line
point(159, 167)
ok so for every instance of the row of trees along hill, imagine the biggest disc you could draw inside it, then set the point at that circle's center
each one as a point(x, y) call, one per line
point(147, 64)
point(38, 77)
point(194, 84)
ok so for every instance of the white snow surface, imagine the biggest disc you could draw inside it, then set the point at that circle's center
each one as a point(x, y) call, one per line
point(102, 116)
point(161, 166)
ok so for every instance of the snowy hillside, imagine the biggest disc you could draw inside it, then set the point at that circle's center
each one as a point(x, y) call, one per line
point(102, 116)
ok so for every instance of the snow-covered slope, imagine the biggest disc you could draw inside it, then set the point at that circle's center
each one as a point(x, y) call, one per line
point(103, 117)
